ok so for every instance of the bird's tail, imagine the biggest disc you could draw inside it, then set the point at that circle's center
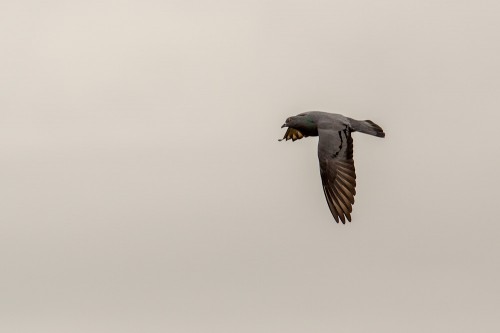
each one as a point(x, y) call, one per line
point(367, 126)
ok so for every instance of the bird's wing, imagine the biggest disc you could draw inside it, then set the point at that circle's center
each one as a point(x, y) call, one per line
point(292, 133)
point(335, 151)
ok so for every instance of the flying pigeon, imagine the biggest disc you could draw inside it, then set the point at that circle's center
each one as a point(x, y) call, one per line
point(335, 149)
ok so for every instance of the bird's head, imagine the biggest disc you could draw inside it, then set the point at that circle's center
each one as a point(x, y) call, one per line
point(300, 126)
point(300, 122)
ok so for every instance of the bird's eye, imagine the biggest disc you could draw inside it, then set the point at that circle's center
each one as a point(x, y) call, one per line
point(288, 120)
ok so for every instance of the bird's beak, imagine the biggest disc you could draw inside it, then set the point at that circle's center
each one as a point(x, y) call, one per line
point(284, 125)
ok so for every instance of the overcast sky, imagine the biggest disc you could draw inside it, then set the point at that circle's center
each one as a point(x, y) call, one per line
point(143, 188)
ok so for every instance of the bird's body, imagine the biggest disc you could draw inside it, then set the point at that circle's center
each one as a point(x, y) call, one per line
point(335, 154)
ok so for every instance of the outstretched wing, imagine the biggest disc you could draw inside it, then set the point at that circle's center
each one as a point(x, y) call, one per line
point(335, 152)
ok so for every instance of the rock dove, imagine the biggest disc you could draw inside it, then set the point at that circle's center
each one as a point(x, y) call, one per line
point(335, 149)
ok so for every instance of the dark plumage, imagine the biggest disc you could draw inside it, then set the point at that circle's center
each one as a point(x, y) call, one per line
point(335, 154)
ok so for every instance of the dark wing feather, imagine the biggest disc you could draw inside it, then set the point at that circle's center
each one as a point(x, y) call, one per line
point(335, 153)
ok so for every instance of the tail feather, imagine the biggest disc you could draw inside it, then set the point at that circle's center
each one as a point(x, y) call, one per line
point(368, 127)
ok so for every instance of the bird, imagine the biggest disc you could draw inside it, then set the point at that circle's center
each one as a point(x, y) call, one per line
point(335, 154)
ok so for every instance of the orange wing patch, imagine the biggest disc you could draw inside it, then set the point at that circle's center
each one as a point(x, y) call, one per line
point(292, 133)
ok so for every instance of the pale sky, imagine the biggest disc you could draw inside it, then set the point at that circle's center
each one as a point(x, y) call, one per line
point(143, 188)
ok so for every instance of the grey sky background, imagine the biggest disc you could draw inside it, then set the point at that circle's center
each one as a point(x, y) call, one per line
point(143, 188)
